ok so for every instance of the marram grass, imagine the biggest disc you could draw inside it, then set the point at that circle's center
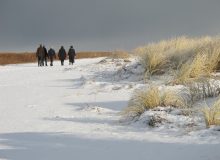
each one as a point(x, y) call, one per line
point(153, 97)
point(212, 114)
point(190, 58)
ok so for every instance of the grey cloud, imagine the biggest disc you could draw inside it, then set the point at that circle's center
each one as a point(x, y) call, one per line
point(103, 24)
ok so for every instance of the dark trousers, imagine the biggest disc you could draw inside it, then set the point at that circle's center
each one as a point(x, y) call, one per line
point(51, 61)
point(40, 62)
point(46, 61)
point(71, 60)
point(62, 62)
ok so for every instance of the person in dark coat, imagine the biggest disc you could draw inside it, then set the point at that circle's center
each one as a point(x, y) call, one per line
point(46, 55)
point(62, 55)
point(71, 55)
point(52, 55)
point(40, 54)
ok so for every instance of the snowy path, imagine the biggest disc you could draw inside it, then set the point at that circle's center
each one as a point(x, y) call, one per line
point(54, 113)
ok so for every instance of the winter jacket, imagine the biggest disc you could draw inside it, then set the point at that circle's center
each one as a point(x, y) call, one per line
point(51, 53)
point(71, 53)
point(40, 52)
point(62, 54)
point(45, 52)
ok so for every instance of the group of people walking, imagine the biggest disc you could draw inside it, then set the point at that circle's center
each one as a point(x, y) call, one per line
point(42, 55)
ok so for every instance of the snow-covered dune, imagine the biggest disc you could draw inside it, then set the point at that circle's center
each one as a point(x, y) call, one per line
point(72, 112)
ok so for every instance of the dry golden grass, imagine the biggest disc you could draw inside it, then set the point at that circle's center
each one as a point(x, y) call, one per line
point(212, 114)
point(141, 101)
point(14, 58)
point(175, 45)
point(120, 54)
point(171, 98)
point(149, 99)
point(91, 54)
point(193, 70)
point(153, 62)
point(152, 98)
point(171, 54)
point(212, 50)
point(205, 62)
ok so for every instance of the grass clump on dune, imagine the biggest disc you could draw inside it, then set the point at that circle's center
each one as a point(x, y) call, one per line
point(144, 100)
point(212, 114)
point(205, 62)
point(159, 57)
point(189, 58)
point(154, 62)
point(192, 70)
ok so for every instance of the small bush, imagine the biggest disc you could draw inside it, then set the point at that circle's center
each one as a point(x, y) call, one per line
point(212, 114)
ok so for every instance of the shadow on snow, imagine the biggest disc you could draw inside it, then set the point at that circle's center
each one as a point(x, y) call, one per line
point(57, 146)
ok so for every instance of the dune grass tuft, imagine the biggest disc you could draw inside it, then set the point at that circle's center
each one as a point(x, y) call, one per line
point(192, 70)
point(154, 62)
point(158, 57)
point(212, 114)
point(190, 58)
point(144, 100)
point(205, 62)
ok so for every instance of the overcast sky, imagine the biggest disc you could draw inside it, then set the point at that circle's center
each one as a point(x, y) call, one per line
point(103, 24)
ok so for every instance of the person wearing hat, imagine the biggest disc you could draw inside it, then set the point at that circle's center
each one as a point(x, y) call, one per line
point(71, 55)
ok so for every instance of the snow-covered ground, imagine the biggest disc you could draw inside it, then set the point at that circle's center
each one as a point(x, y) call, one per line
point(72, 112)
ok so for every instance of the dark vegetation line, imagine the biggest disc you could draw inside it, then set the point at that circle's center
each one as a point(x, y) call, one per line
point(15, 58)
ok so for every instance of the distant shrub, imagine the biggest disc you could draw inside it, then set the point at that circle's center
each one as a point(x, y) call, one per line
point(14, 58)
point(120, 55)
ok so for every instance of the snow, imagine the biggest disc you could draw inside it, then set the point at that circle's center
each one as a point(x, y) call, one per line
point(72, 112)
